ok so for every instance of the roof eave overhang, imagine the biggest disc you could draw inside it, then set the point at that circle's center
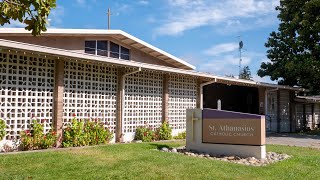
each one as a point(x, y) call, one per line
point(306, 99)
point(60, 53)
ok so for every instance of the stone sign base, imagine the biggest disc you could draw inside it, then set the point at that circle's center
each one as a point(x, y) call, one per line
point(194, 140)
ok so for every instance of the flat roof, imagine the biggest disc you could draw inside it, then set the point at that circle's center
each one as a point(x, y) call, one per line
point(61, 53)
point(116, 34)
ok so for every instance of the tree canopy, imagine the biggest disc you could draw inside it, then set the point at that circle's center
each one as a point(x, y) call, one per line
point(294, 50)
point(33, 13)
point(245, 73)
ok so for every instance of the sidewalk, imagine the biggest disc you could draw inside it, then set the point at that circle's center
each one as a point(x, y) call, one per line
point(294, 140)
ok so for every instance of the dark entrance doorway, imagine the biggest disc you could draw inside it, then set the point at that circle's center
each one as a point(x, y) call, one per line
point(233, 98)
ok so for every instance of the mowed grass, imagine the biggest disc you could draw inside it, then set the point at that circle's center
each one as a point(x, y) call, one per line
point(142, 161)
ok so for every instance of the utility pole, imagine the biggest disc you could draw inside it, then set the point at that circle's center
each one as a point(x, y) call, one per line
point(109, 14)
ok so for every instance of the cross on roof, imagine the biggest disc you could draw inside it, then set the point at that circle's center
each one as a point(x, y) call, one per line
point(109, 14)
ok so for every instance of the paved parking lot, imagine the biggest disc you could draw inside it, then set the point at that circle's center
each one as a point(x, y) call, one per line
point(294, 140)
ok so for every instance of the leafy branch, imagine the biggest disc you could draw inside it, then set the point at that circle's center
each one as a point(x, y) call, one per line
point(33, 13)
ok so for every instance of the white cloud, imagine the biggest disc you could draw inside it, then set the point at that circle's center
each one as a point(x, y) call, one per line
point(223, 65)
point(151, 19)
point(88, 4)
point(143, 2)
point(81, 2)
point(184, 3)
point(14, 24)
point(263, 79)
point(221, 48)
point(224, 59)
point(56, 17)
point(189, 14)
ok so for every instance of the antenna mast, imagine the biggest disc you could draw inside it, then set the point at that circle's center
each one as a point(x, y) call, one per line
point(240, 53)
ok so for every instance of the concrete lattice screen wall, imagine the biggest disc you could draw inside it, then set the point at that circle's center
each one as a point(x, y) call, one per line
point(90, 92)
point(182, 96)
point(26, 90)
point(90, 89)
point(143, 100)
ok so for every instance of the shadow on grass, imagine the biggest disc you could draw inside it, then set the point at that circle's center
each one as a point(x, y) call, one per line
point(160, 146)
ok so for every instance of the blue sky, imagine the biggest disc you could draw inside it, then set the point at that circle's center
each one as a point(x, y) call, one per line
point(204, 33)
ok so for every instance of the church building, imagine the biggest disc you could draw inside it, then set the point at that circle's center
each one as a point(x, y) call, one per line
point(121, 80)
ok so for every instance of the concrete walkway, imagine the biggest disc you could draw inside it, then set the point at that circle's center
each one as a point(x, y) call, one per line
point(294, 140)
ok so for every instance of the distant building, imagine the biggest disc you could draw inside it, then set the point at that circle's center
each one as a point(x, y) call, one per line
point(121, 80)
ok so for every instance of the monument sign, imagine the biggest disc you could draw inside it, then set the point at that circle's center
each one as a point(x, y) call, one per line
point(232, 128)
point(225, 132)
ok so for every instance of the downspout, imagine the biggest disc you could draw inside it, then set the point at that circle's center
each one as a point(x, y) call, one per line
point(266, 102)
point(123, 93)
point(201, 90)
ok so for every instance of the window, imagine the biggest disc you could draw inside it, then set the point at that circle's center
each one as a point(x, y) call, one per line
point(106, 48)
point(102, 48)
point(114, 50)
point(124, 53)
point(90, 47)
point(96, 47)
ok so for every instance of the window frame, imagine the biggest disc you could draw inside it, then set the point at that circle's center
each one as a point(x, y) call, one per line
point(109, 49)
point(95, 48)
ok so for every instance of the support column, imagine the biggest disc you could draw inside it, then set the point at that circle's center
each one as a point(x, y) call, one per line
point(119, 106)
point(304, 117)
point(278, 112)
point(199, 94)
point(165, 98)
point(58, 99)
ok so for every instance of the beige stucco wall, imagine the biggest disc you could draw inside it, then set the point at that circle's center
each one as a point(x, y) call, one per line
point(76, 44)
point(68, 43)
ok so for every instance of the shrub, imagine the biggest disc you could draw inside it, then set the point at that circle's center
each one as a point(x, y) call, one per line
point(35, 138)
point(96, 133)
point(164, 132)
point(73, 134)
point(145, 134)
point(84, 133)
point(181, 135)
point(2, 129)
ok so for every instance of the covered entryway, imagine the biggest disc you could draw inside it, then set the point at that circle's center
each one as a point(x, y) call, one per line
point(233, 98)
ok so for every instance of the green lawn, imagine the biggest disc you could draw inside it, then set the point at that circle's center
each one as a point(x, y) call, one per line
point(141, 161)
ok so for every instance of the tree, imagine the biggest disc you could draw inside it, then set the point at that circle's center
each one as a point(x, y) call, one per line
point(33, 13)
point(294, 49)
point(245, 73)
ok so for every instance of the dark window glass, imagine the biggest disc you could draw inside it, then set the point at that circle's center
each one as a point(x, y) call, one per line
point(102, 48)
point(114, 50)
point(125, 53)
point(90, 47)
